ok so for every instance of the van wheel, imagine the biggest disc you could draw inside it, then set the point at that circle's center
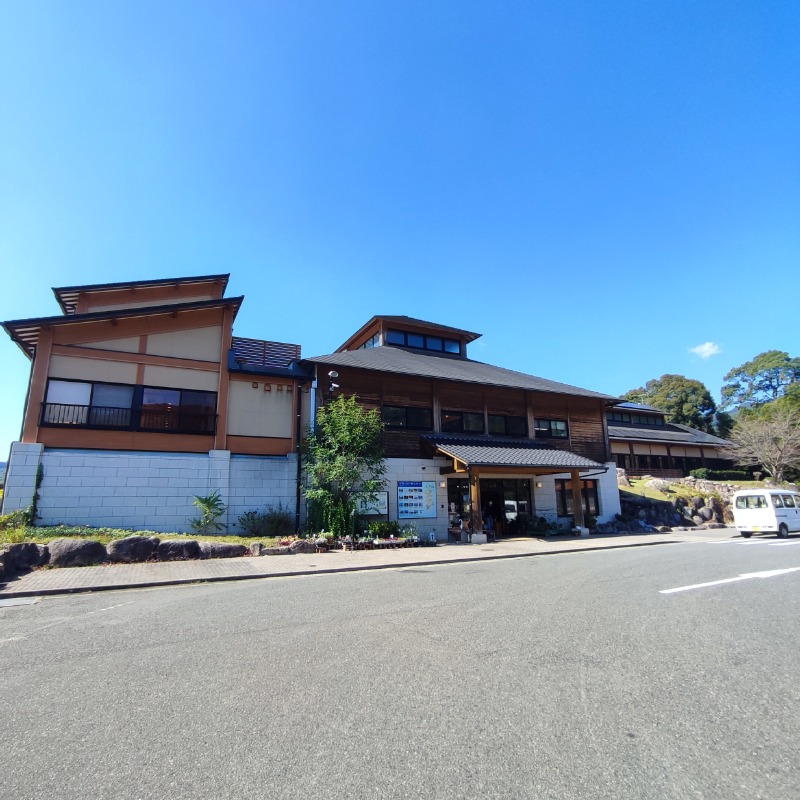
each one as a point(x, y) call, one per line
point(746, 534)
point(783, 531)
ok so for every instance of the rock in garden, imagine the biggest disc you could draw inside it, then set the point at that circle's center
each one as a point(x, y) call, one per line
point(132, 549)
point(178, 550)
point(222, 550)
point(275, 551)
point(23, 556)
point(76, 552)
point(706, 513)
point(302, 546)
point(256, 548)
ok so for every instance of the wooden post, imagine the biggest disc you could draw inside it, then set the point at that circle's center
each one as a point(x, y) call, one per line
point(221, 436)
point(38, 384)
point(577, 499)
point(478, 536)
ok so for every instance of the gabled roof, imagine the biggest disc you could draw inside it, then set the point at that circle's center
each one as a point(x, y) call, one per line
point(25, 332)
point(670, 434)
point(487, 451)
point(401, 361)
point(403, 321)
point(67, 296)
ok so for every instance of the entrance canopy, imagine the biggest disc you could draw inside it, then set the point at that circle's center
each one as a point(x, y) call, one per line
point(524, 455)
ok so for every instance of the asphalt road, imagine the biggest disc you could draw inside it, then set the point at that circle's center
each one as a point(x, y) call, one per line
point(569, 676)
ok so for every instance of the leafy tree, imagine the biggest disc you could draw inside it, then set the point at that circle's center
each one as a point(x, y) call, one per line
point(770, 439)
point(724, 423)
point(764, 379)
point(344, 461)
point(684, 400)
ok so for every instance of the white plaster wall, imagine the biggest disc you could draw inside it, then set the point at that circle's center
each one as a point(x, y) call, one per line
point(252, 411)
point(177, 378)
point(144, 491)
point(202, 344)
point(414, 469)
point(89, 369)
point(608, 493)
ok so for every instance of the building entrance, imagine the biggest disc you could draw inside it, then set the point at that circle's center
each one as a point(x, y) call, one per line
point(507, 503)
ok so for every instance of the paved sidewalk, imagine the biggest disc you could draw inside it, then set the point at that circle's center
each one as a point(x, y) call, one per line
point(130, 576)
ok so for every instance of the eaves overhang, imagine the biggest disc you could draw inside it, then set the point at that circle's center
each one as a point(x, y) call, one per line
point(25, 332)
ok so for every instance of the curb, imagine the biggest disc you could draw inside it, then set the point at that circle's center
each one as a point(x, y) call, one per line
point(307, 572)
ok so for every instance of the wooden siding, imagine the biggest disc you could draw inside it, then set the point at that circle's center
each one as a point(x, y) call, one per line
point(585, 416)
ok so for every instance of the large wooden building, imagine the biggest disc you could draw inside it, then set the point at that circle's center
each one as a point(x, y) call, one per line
point(142, 398)
point(468, 439)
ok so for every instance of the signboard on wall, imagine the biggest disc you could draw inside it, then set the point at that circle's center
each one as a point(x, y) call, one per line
point(379, 506)
point(416, 499)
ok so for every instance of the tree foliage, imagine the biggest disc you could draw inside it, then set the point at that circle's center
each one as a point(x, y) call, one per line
point(765, 379)
point(770, 439)
point(344, 461)
point(684, 400)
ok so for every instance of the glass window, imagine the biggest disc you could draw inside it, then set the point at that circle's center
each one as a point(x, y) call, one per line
point(198, 410)
point(473, 422)
point(393, 417)
point(161, 409)
point(497, 425)
point(395, 337)
point(777, 501)
point(452, 422)
point(419, 418)
point(788, 501)
point(111, 405)
point(415, 340)
point(588, 495)
point(452, 346)
point(552, 428)
point(433, 343)
point(516, 426)
point(69, 393)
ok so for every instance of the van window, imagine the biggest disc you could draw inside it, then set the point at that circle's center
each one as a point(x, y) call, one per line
point(751, 501)
point(777, 501)
point(788, 501)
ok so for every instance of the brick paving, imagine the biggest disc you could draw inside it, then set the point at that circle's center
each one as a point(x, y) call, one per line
point(120, 576)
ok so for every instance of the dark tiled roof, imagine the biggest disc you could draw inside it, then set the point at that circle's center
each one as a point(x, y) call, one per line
point(669, 434)
point(637, 407)
point(486, 451)
point(454, 368)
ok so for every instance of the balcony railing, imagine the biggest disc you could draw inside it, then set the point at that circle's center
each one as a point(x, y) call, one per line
point(173, 420)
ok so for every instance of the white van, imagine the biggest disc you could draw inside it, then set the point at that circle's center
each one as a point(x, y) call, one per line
point(766, 511)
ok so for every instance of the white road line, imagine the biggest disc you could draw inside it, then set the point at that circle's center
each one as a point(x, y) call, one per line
point(772, 573)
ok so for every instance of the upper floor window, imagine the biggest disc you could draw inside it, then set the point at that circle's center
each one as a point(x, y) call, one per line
point(551, 429)
point(373, 341)
point(507, 425)
point(423, 341)
point(122, 406)
point(636, 419)
point(418, 419)
point(462, 422)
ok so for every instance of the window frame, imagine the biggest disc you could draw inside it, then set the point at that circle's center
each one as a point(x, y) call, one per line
point(543, 428)
point(405, 410)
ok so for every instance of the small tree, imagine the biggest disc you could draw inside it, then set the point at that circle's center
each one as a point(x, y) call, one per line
point(770, 439)
point(344, 461)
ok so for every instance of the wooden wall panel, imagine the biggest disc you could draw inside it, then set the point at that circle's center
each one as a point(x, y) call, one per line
point(402, 444)
point(415, 392)
point(506, 401)
point(460, 397)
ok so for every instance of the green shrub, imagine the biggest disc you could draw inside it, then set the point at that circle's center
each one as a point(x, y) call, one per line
point(384, 530)
point(211, 509)
point(729, 475)
point(702, 473)
point(273, 521)
point(15, 519)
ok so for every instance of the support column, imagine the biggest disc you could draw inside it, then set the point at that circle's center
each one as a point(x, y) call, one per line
point(221, 436)
point(33, 408)
point(577, 503)
point(478, 536)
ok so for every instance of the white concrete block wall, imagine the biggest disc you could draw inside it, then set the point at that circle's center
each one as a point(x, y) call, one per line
point(21, 476)
point(144, 491)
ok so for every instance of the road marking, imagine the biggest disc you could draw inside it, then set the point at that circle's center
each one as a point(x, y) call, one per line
point(772, 573)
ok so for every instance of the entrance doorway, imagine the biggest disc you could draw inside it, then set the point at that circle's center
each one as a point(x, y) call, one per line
point(507, 502)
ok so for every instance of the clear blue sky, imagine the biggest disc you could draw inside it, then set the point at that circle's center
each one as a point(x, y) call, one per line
point(597, 187)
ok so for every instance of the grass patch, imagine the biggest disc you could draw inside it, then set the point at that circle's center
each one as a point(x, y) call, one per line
point(44, 535)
